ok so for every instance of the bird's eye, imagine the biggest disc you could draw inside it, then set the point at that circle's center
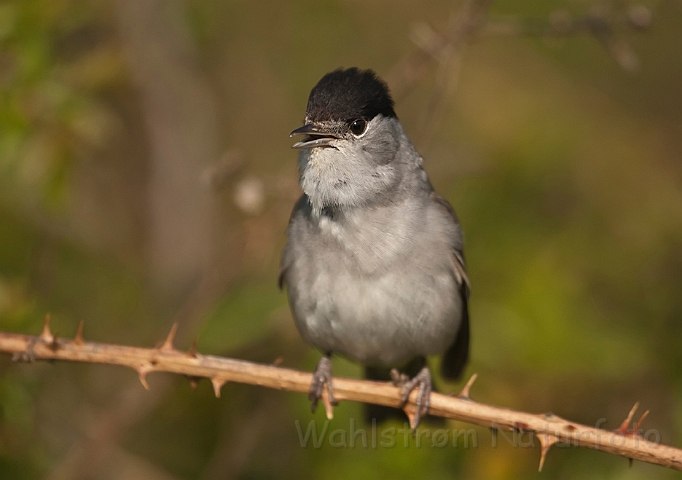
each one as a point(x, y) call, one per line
point(358, 127)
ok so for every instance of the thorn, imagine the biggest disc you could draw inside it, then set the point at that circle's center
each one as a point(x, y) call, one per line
point(464, 394)
point(54, 344)
point(630, 460)
point(521, 427)
point(46, 335)
point(639, 423)
point(328, 407)
point(277, 361)
point(193, 382)
point(78, 339)
point(624, 428)
point(410, 411)
point(217, 385)
point(546, 442)
point(192, 352)
point(493, 432)
point(167, 345)
point(142, 371)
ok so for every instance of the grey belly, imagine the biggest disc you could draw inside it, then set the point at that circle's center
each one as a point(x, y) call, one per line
point(384, 320)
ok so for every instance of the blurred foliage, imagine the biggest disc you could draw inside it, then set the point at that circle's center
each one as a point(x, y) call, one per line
point(565, 170)
point(55, 62)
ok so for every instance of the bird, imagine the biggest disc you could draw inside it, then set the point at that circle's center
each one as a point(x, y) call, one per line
point(373, 264)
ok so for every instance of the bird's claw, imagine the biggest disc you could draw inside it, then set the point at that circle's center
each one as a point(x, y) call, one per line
point(321, 377)
point(27, 356)
point(399, 379)
point(423, 381)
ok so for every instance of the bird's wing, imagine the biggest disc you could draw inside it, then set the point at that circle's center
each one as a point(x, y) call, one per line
point(301, 207)
point(457, 355)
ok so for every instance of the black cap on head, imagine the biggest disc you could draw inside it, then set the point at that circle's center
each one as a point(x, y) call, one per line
point(349, 94)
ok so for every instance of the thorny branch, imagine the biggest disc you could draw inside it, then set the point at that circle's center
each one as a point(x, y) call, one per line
point(470, 22)
point(548, 428)
point(464, 24)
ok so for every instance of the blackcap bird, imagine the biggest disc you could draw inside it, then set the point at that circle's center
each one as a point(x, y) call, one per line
point(373, 265)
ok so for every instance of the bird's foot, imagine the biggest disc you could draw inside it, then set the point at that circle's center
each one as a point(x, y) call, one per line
point(399, 379)
point(322, 377)
point(422, 381)
point(29, 355)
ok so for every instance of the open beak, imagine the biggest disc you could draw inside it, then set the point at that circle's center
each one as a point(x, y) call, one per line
point(314, 137)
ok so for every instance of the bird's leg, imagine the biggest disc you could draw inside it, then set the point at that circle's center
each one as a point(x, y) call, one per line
point(322, 376)
point(421, 380)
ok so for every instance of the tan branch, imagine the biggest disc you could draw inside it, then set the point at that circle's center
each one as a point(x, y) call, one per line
point(548, 428)
point(463, 26)
point(471, 22)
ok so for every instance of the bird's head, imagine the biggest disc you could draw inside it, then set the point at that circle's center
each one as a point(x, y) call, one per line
point(351, 140)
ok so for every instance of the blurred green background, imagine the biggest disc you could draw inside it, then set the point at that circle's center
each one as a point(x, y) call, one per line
point(146, 178)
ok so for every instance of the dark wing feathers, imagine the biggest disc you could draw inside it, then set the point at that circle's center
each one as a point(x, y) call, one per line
point(461, 272)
